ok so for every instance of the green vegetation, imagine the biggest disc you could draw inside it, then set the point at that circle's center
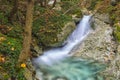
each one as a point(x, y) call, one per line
point(71, 8)
point(48, 25)
point(117, 31)
point(113, 11)
point(3, 18)
point(10, 48)
point(114, 16)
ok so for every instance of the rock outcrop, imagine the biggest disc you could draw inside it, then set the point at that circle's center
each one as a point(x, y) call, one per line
point(100, 45)
point(52, 38)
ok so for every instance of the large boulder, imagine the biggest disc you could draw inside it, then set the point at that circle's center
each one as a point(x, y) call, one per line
point(100, 45)
point(104, 17)
point(101, 40)
point(66, 30)
point(51, 29)
point(114, 2)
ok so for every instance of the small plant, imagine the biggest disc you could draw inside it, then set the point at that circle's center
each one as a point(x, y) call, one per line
point(117, 31)
point(48, 25)
point(3, 18)
point(10, 48)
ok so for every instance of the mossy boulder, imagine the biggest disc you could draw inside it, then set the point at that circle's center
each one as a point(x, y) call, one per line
point(66, 30)
point(51, 28)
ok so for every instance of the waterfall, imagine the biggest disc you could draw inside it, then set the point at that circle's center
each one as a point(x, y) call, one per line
point(57, 54)
point(58, 63)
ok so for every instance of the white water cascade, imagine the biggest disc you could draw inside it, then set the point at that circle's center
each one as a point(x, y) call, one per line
point(57, 54)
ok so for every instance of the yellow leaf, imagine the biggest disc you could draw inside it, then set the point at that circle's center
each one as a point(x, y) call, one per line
point(2, 38)
point(23, 65)
point(8, 42)
point(12, 48)
point(2, 59)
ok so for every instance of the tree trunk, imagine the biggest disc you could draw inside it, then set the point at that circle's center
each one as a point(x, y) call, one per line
point(25, 53)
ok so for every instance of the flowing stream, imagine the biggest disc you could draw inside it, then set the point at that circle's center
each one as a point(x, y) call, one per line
point(57, 54)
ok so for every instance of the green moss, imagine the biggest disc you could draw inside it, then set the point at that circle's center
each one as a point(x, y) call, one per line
point(118, 36)
point(10, 48)
point(74, 10)
point(46, 27)
point(93, 3)
point(66, 5)
point(3, 18)
point(16, 32)
point(117, 32)
point(40, 9)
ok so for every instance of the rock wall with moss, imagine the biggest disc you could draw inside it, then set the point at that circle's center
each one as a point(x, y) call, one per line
point(110, 7)
point(51, 27)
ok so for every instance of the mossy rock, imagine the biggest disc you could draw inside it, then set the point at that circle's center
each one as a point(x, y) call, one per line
point(117, 31)
point(117, 35)
point(47, 27)
point(113, 11)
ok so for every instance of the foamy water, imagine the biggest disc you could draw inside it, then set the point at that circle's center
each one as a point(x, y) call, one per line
point(57, 54)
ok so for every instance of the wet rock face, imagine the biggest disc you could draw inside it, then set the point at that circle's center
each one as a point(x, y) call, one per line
point(118, 48)
point(66, 30)
point(99, 42)
point(56, 38)
point(104, 18)
point(114, 2)
point(100, 45)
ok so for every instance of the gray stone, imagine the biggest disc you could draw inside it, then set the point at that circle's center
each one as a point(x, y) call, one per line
point(103, 17)
point(113, 2)
point(100, 45)
point(57, 7)
point(62, 36)
point(118, 49)
point(100, 39)
point(66, 30)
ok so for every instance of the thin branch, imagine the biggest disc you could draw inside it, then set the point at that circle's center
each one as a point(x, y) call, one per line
point(70, 8)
